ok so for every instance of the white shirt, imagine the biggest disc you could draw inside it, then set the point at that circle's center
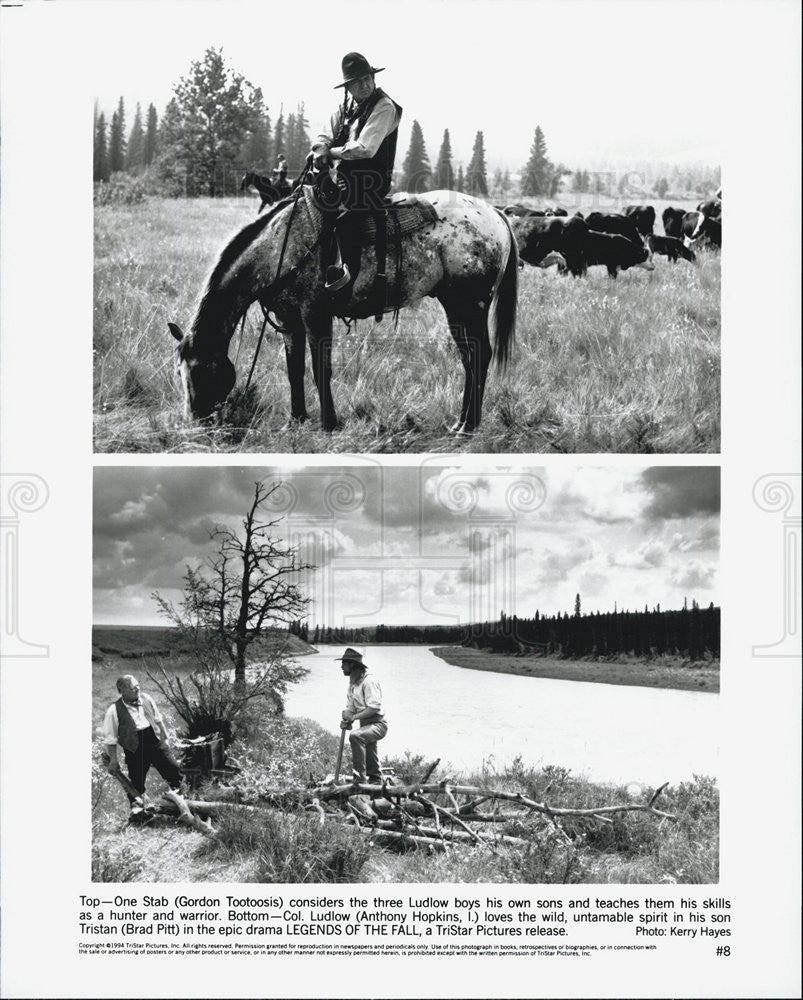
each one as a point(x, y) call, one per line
point(366, 694)
point(381, 122)
point(139, 717)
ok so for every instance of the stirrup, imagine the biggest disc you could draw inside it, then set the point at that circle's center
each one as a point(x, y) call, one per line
point(337, 277)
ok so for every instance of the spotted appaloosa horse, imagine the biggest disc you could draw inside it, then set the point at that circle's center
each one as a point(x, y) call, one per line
point(467, 259)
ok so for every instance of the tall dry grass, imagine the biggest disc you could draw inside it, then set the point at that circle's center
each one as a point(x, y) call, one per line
point(631, 365)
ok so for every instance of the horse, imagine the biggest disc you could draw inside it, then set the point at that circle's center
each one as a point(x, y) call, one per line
point(466, 258)
point(269, 192)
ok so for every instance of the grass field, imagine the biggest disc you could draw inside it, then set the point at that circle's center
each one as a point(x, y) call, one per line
point(631, 365)
point(662, 672)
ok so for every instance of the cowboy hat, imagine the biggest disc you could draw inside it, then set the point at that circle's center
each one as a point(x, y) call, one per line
point(350, 654)
point(354, 66)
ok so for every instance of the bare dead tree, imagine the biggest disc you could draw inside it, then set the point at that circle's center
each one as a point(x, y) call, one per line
point(247, 589)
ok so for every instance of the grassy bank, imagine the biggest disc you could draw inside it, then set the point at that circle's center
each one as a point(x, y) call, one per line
point(663, 672)
point(631, 365)
point(132, 642)
point(279, 846)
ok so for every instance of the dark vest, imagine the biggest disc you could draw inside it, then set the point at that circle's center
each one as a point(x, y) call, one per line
point(367, 181)
point(127, 732)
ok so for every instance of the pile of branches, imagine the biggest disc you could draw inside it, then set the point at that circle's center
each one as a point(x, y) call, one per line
point(425, 813)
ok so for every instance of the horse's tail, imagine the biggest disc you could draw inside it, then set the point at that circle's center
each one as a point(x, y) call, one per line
point(507, 296)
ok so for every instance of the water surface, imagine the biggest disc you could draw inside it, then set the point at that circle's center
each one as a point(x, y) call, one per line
point(605, 731)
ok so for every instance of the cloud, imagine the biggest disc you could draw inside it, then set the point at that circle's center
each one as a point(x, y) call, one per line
point(695, 575)
point(705, 539)
point(682, 491)
point(650, 555)
point(592, 584)
point(555, 567)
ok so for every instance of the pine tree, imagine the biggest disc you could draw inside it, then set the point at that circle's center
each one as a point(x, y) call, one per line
point(476, 179)
point(538, 172)
point(461, 181)
point(506, 185)
point(556, 181)
point(256, 153)
point(117, 139)
point(298, 140)
point(100, 166)
point(416, 172)
point(496, 187)
point(577, 611)
point(135, 153)
point(203, 132)
point(444, 175)
point(279, 139)
point(151, 132)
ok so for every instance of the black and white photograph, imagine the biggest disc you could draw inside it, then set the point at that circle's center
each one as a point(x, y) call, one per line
point(400, 499)
point(511, 653)
point(389, 241)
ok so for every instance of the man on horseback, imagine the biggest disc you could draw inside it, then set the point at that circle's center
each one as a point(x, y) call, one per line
point(279, 172)
point(361, 144)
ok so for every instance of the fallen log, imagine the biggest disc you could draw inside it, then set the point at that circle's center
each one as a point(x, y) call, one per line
point(445, 788)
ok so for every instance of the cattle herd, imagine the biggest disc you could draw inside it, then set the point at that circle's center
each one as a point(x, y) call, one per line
point(615, 240)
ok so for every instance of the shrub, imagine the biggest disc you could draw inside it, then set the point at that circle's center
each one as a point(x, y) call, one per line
point(120, 189)
point(294, 848)
point(115, 863)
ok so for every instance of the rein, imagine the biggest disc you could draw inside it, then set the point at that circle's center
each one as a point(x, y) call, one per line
point(281, 280)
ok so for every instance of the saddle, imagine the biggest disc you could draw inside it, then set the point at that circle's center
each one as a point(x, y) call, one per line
point(402, 218)
point(355, 230)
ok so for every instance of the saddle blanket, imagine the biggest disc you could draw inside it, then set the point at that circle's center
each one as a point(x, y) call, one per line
point(402, 218)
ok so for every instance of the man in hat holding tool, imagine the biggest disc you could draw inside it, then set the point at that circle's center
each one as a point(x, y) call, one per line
point(364, 706)
point(361, 143)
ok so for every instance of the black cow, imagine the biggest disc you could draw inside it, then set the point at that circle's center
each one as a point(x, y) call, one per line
point(537, 238)
point(689, 224)
point(556, 211)
point(670, 247)
point(522, 212)
point(643, 216)
point(709, 222)
point(615, 252)
point(673, 222)
point(711, 209)
point(614, 224)
point(710, 230)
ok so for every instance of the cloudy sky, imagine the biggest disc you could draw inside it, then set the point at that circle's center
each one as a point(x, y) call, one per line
point(606, 81)
point(422, 544)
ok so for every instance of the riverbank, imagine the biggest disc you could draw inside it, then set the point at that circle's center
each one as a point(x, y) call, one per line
point(667, 672)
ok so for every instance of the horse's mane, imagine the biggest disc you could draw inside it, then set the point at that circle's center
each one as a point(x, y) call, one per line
point(238, 245)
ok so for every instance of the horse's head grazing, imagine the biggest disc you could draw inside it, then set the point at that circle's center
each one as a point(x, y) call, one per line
point(207, 381)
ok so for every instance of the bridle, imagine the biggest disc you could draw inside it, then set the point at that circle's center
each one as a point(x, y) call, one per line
point(281, 281)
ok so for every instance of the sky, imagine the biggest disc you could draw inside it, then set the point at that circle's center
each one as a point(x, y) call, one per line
point(617, 82)
point(422, 544)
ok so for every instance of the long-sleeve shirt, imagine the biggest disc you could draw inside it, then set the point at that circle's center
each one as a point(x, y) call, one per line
point(366, 694)
point(144, 715)
point(381, 122)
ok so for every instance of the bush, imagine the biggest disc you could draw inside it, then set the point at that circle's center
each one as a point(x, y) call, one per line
point(115, 863)
point(120, 189)
point(294, 848)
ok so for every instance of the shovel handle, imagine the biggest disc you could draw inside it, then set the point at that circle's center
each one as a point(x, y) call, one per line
point(340, 754)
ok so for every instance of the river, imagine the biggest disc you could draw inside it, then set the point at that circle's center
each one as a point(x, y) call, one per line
point(607, 732)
